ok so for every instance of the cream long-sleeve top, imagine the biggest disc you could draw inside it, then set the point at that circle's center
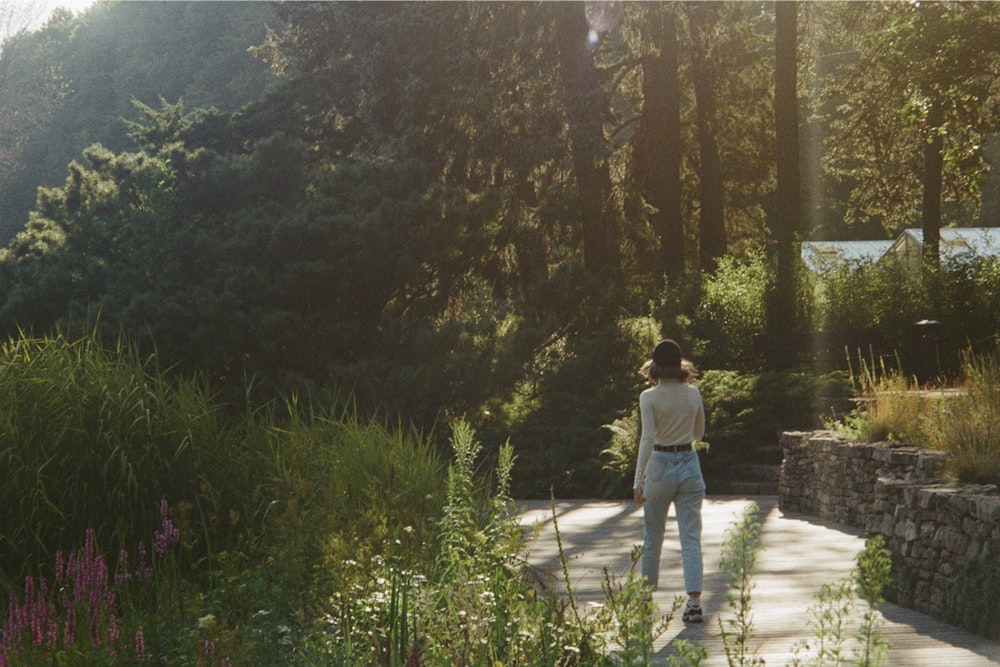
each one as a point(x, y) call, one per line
point(672, 413)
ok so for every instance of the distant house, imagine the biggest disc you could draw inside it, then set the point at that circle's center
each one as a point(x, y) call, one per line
point(821, 256)
point(956, 243)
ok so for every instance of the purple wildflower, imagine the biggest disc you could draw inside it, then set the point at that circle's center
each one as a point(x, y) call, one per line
point(70, 627)
point(143, 571)
point(140, 644)
point(169, 536)
point(60, 568)
point(123, 576)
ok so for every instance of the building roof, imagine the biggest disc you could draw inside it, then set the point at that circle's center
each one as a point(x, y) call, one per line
point(956, 242)
point(822, 256)
point(979, 240)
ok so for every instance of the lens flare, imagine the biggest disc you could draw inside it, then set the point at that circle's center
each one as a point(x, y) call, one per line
point(602, 16)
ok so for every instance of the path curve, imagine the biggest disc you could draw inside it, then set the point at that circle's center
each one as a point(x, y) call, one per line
point(800, 554)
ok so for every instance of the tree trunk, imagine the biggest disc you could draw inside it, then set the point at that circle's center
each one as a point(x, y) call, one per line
point(586, 107)
point(712, 243)
point(930, 214)
point(788, 197)
point(659, 149)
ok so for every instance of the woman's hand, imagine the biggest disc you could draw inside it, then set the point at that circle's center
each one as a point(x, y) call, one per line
point(639, 498)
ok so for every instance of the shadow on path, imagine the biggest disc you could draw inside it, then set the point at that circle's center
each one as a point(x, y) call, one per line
point(800, 554)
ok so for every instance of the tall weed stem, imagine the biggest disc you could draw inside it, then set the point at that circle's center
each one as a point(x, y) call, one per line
point(739, 563)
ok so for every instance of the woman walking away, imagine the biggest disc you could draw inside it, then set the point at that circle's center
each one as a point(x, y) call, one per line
point(668, 470)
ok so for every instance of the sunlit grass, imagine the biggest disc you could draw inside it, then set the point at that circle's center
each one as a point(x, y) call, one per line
point(968, 424)
point(963, 421)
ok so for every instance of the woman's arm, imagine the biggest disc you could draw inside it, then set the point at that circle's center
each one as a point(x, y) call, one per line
point(645, 442)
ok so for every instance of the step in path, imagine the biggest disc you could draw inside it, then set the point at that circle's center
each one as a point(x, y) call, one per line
point(800, 554)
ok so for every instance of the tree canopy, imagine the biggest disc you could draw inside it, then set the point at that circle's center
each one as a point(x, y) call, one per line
point(484, 208)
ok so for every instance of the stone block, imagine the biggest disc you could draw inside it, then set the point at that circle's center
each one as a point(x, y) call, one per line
point(974, 551)
point(907, 530)
point(927, 530)
point(986, 509)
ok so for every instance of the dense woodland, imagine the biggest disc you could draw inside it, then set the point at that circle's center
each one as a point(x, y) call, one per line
point(486, 210)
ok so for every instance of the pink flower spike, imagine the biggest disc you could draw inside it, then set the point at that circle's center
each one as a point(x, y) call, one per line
point(70, 627)
point(60, 567)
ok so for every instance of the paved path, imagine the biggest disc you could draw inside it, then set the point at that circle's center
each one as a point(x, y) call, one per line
point(800, 554)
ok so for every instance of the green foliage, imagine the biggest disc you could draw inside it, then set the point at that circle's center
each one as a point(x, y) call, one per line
point(962, 295)
point(941, 48)
point(732, 310)
point(871, 575)
point(87, 70)
point(743, 409)
point(629, 609)
point(576, 388)
point(829, 618)
point(687, 654)
point(866, 296)
point(459, 598)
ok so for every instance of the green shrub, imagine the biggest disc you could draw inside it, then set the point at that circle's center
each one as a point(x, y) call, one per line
point(748, 410)
point(865, 297)
point(731, 311)
point(963, 295)
point(556, 419)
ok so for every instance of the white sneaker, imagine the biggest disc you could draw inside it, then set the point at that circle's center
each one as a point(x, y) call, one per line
point(692, 613)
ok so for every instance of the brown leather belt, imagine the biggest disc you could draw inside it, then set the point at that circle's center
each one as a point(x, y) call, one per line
point(672, 448)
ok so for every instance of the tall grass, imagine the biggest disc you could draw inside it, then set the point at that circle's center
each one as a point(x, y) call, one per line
point(94, 438)
point(965, 422)
point(893, 410)
point(969, 423)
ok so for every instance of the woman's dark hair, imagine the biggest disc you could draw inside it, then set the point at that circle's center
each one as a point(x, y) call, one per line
point(654, 371)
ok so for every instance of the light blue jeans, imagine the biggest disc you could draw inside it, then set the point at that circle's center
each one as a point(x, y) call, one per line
point(673, 477)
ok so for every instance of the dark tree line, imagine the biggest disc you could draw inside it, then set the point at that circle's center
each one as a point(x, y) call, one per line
point(457, 208)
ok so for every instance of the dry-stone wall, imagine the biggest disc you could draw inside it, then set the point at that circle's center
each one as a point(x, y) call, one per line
point(934, 530)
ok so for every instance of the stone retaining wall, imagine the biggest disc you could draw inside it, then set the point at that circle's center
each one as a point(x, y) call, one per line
point(933, 530)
